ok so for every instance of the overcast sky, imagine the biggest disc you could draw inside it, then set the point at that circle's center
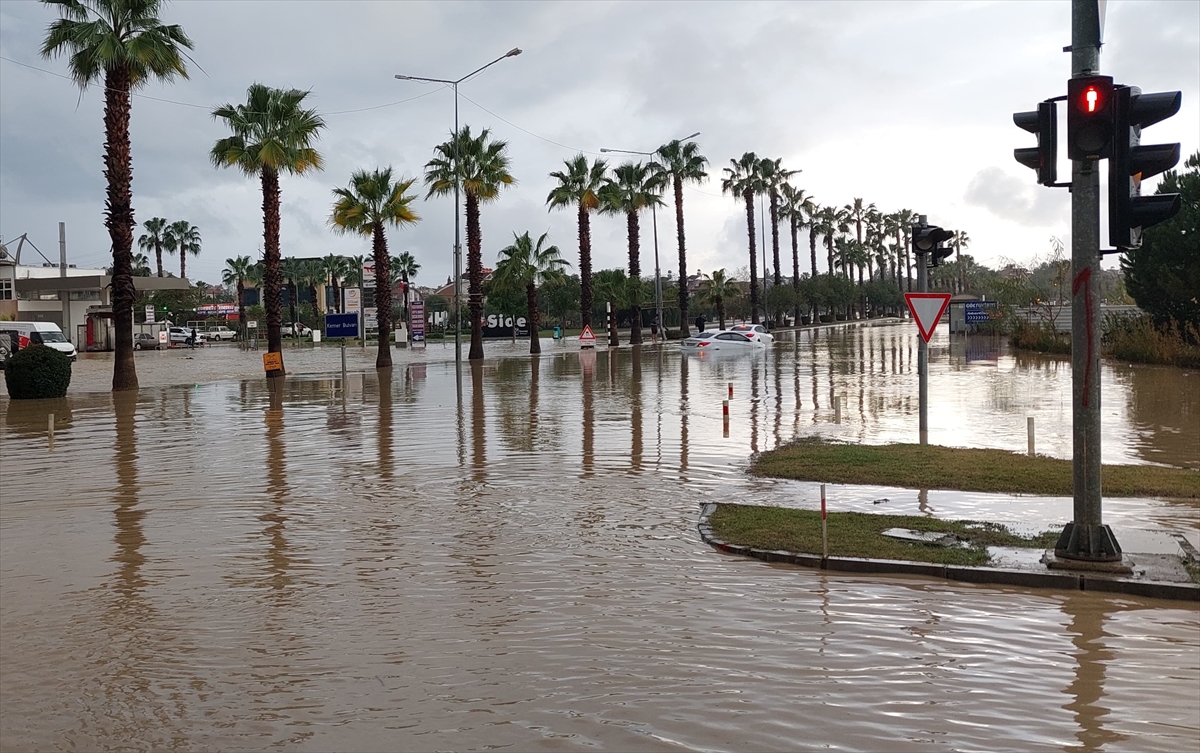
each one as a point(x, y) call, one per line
point(904, 104)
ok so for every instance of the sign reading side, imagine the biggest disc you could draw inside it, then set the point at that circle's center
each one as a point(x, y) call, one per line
point(341, 325)
point(927, 310)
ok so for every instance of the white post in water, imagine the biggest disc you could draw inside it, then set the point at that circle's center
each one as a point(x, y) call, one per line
point(837, 409)
point(50, 429)
point(1029, 428)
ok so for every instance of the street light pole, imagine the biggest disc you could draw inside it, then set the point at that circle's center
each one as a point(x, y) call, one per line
point(457, 223)
point(662, 325)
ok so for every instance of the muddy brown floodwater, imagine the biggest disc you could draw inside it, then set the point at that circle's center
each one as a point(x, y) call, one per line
point(205, 565)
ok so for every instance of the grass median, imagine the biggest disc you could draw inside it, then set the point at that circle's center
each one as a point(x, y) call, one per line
point(853, 534)
point(915, 466)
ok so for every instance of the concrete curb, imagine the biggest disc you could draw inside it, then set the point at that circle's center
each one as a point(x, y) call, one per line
point(1071, 581)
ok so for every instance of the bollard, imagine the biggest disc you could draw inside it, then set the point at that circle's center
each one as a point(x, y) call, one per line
point(731, 390)
point(1029, 428)
point(824, 529)
point(725, 410)
point(837, 409)
point(50, 429)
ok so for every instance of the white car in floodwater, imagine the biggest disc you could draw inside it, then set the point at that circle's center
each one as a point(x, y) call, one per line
point(724, 341)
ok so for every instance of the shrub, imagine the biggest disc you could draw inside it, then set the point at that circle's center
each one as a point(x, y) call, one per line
point(1040, 337)
point(37, 372)
point(1140, 341)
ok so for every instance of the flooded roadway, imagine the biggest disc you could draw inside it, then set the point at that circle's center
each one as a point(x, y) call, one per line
point(381, 568)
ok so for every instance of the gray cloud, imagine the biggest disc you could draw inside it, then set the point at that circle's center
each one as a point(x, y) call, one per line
point(1017, 200)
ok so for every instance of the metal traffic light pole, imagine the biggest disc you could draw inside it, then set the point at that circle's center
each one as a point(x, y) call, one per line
point(922, 346)
point(1086, 538)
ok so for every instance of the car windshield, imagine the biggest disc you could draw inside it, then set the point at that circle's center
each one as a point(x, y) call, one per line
point(52, 337)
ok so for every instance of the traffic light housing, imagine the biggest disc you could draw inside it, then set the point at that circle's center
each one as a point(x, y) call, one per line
point(1128, 211)
point(928, 239)
point(1090, 115)
point(1043, 122)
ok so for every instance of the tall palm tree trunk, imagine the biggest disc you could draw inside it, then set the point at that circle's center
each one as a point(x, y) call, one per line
point(337, 294)
point(272, 280)
point(775, 278)
point(720, 313)
point(183, 261)
point(795, 273)
point(635, 273)
point(585, 266)
point(475, 276)
point(118, 169)
point(535, 343)
point(748, 195)
point(158, 256)
point(677, 184)
point(812, 258)
point(383, 296)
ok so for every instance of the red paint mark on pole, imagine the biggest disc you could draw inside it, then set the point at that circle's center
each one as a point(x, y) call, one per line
point(1081, 281)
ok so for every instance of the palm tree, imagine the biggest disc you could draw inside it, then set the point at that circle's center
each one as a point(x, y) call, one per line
point(796, 208)
point(960, 240)
point(812, 221)
point(680, 162)
point(353, 277)
point(633, 187)
point(527, 265)
point(773, 175)
point(123, 43)
point(334, 268)
point(479, 166)
point(720, 288)
point(904, 221)
point(154, 238)
point(579, 186)
point(183, 237)
point(830, 224)
point(618, 290)
point(857, 213)
point(141, 265)
point(313, 274)
point(373, 200)
point(272, 134)
point(236, 272)
point(406, 267)
point(291, 270)
point(741, 178)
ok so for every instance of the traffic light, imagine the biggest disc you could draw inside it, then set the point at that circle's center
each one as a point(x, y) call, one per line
point(1044, 157)
point(928, 239)
point(1090, 114)
point(1128, 211)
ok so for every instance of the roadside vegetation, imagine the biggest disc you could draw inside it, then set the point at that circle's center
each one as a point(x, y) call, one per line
point(853, 534)
point(915, 466)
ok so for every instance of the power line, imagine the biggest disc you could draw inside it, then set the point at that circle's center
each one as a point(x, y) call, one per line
point(209, 107)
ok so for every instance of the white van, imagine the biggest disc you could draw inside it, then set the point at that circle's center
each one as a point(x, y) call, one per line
point(17, 335)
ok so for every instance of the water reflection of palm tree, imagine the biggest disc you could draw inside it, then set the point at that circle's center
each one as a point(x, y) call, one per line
point(278, 559)
point(587, 366)
point(478, 424)
point(778, 395)
point(1092, 657)
point(754, 406)
point(129, 534)
point(635, 411)
point(384, 430)
point(683, 416)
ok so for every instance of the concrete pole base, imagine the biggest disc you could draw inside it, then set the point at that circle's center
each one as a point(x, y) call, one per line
point(1087, 543)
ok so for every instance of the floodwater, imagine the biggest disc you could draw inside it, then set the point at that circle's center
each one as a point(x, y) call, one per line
point(378, 566)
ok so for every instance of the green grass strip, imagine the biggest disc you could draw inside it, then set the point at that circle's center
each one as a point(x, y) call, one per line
point(915, 466)
point(855, 534)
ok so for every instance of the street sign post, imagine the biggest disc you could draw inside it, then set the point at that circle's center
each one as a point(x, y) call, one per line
point(416, 316)
point(979, 311)
point(342, 326)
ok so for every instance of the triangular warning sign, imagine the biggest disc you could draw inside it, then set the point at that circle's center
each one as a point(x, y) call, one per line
point(927, 310)
point(586, 338)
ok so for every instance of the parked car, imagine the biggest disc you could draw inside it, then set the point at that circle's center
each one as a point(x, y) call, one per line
point(145, 341)
point(296, 328)
point(181, 335)
point(754, 332)
point(723, 340)
point(220, 333)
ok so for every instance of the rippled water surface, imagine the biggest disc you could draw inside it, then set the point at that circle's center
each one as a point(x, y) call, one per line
point(377, 566)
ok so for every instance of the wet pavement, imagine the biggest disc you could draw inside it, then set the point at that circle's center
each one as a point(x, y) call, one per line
point(378, 566)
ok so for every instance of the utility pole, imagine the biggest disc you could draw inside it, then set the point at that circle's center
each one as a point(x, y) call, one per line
point(1086, 537)
point(922, 346)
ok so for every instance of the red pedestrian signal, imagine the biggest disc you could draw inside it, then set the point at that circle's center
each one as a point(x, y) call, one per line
point(1090, 117)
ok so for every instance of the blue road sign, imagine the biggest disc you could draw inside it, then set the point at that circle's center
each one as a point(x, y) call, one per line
point(341, 325)
point(979, 311)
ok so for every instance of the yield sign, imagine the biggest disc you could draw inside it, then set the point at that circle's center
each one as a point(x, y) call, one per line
point(586, 338)
point(927, 309)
